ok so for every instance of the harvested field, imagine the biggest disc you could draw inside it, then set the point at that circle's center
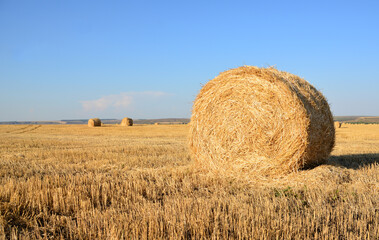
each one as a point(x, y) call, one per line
point(75, 182)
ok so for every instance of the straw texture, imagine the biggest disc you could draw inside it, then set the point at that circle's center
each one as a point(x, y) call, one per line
point(94, 122)
point(127, 122)
point(260, 120)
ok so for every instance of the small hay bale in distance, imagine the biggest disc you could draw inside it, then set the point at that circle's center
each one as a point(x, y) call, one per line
point(94, 122)
point(337, 124)
point(260, 120)
point(127, 122)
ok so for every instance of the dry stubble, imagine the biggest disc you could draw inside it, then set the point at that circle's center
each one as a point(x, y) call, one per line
point(75, 182)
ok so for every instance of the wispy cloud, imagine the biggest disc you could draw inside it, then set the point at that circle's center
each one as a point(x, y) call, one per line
point(119, 101)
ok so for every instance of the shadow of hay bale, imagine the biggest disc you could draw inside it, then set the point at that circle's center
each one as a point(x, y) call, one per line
point(354, 161)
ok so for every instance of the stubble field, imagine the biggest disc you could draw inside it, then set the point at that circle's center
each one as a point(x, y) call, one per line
point(75, 182)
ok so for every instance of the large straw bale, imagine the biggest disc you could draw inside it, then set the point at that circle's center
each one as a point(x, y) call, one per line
point(127, 122)
point(262, 121)
point(94, 122)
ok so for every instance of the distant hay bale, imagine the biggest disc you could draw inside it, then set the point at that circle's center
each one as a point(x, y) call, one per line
point(168, 123)
point(261, 121)
point(337, 124)
point(127, 122)
point(94, 122)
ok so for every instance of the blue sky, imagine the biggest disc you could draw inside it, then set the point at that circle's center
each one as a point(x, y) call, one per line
point(148, 59)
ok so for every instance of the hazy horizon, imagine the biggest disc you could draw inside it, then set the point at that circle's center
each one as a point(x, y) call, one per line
point(85, 119)
point(148, 60)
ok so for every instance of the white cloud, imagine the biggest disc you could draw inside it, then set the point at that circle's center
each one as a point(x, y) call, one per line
point(119, 101)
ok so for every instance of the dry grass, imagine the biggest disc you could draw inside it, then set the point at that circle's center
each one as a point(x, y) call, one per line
point(75, 182)
point(260, 121)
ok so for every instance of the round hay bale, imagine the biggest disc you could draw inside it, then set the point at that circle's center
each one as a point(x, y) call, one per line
point(337, 124)
point(94, 122)
point(260, 120)
point(127, 122)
